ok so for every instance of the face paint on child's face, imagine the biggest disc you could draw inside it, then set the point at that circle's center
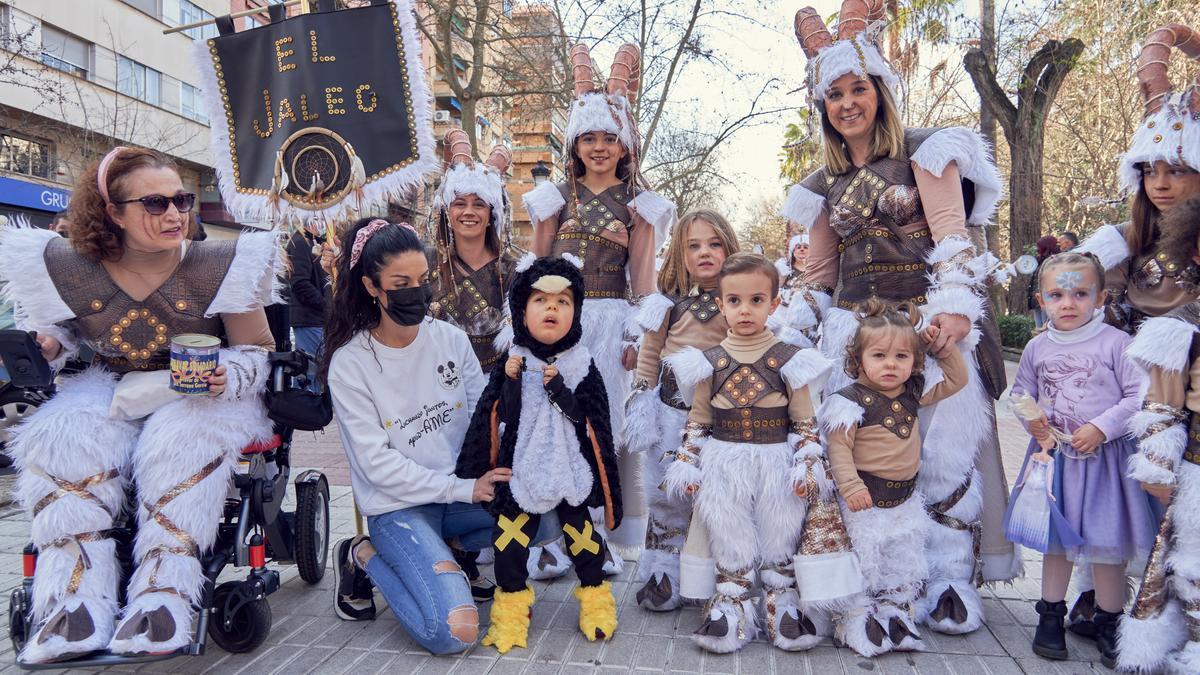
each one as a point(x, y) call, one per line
point(1070, 297)
point(746, 302)
point(548, 316)
point(887, 359)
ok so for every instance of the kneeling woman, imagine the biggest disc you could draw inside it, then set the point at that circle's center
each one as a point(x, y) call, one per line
point(403, 388)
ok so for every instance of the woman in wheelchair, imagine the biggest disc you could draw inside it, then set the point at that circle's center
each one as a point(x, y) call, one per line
point(124, 284)
point(404, 387)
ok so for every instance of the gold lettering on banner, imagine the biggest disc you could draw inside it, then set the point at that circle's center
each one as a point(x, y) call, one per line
point(285, 112)
point(270, 119)
point(316, 55)
point(304, 109)
point(281, 54)
point(358, 97)
point(331, 101)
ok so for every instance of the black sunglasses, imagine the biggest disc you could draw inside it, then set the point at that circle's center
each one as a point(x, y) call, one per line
point(156, 205)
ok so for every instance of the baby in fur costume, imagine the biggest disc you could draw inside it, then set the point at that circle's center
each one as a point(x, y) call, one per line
point(751, 456)
point(874, 448)
point(545, 416)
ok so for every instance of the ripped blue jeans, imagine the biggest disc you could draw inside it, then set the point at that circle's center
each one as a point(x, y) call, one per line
point(409, 567)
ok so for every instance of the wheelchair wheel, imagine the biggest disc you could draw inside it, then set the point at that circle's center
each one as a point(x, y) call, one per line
point(15, 405)
point(246, 628)
point(312, 529)
point(18, 608)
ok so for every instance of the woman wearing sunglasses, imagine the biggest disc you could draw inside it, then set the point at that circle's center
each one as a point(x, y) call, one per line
point(125, 282)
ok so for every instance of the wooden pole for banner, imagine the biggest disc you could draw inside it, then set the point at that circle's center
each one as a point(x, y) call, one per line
point(235, 15)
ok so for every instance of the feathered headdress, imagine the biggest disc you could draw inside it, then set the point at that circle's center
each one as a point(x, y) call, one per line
point(854, 50)
point(1170, 129)
point(485, 179)
point(608, 109)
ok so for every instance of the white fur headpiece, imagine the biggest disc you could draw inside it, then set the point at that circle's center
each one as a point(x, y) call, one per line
point(482, 179)
point(855, 50)
point(610, 109)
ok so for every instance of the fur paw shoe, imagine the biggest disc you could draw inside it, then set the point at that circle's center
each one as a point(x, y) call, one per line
point(863, 632)
point(76, 627)
point(548, 562)
point(660, 593)
point(728, 626)
point(155, 623)
point(510, 620)
point(787, 626)
point(597, 611)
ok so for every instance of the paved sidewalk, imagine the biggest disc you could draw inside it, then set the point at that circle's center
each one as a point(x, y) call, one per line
point(308, 638)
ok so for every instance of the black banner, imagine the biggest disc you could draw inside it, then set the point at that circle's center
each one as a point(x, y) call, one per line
point(340, 77)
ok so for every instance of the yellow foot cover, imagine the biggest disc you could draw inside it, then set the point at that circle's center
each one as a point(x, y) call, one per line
point(510, 620)
point(597, 611)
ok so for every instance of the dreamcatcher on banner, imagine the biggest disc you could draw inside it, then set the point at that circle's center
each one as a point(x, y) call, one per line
point(319, 116)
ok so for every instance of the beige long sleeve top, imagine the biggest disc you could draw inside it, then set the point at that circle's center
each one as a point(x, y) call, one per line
point(670, 337)
point(748, 350)
point(879, 451)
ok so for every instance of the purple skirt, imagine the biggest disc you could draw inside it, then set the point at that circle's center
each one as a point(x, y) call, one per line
point(1116, 519)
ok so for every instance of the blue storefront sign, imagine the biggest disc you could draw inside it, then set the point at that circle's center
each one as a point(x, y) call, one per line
point(33, 195)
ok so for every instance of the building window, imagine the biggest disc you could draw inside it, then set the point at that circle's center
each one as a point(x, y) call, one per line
point(190, 13)
point(148, 6)
point(191, 103)
point(138, 81)
point(65, 52)
point(21, 155)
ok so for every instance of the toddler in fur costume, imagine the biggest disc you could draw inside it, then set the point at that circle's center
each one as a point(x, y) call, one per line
point(874, 447)
point(545, 416)
point(751, 456)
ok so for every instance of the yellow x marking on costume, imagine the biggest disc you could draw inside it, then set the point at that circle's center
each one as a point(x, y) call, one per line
point(582, 541)
point(510, 530)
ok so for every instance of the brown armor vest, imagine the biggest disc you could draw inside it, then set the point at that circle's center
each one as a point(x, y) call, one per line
point(743, 384)
point(128, 335)
point(704, 308)
point(596, 230)
point(474, 302)
point(897, 415)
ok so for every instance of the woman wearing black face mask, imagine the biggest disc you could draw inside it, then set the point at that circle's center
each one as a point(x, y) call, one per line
point(403, 388)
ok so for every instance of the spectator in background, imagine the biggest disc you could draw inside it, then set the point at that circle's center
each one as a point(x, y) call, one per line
point(309, 299)
point(1067, 241)
point(1046, 247)
point(60, 224)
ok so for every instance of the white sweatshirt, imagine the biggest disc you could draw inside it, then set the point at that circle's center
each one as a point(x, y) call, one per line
point(403, 414)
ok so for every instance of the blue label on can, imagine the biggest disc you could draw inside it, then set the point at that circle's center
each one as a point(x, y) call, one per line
point(191, 365)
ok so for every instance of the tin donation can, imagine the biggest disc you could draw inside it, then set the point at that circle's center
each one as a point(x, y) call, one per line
point(194, 357)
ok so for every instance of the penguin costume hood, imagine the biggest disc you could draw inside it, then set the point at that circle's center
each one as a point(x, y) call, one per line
point(555, 436)
point(550, 275)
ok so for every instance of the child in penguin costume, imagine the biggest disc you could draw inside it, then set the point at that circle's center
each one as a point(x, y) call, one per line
point(545, 416)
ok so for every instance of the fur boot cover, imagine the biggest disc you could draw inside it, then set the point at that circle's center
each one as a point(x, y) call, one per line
point(71, 438)
point(597, 611)
point(547, 562)
point(510, 620)
point(670, 512)
point(188, 441)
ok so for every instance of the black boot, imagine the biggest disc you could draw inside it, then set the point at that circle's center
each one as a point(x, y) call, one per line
point(1079, 621)
point(1050, 638)
point(1106, 636)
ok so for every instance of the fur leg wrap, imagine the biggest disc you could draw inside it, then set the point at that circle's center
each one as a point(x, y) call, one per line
point(597, 611)
point(548, 562)
point(72, 460)
point(510, 620)
point(182, 467)
point(730, 621)
point(670, 516)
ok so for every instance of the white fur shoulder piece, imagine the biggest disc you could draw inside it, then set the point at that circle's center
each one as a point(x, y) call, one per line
point(653, 310)
point(802, 206)
point(838, 413)
point(807, 368)
point(27, 285)
point(656, 210)
point(1163, 342)
point(254, 276)
point(690, 367)
point(572, 364)
point(543, 201)
point(970, 152)
point(1108, 244)
point(933, 373)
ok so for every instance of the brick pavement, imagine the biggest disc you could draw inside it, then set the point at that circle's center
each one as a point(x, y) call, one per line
point(308, 638)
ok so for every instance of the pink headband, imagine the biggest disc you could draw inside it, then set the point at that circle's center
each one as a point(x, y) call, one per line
point(102, 171)
point(364, 235)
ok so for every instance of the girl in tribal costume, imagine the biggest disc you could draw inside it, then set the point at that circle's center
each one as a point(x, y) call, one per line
point(603, 215)
point(887, 218)
point(801, 310)
point(685, 314)
point(125, 282)
point(1144, 278)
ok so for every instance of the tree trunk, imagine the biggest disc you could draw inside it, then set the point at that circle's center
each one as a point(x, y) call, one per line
point(1025, 213)
point(987, 127)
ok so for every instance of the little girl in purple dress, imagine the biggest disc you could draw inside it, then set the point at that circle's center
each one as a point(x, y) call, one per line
point(1087, 389)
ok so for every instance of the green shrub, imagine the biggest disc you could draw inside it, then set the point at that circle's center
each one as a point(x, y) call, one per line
point(1015, 330)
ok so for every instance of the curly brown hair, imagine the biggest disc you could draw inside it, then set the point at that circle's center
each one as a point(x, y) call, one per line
point(875, 315)
point(93, 233)
point(1181, 231)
